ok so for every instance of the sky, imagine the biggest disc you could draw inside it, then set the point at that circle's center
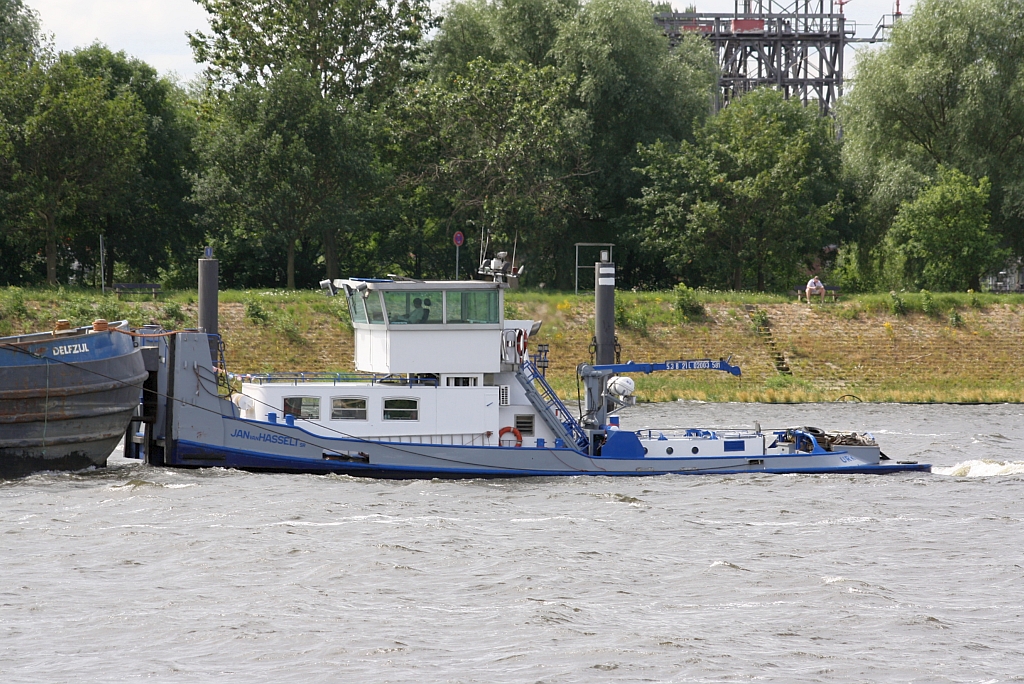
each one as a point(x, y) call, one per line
point(154, 30)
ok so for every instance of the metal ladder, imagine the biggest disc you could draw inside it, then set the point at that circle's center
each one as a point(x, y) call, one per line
point(550, 407)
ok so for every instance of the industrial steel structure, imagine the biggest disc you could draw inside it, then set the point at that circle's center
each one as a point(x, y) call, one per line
point(796, 46)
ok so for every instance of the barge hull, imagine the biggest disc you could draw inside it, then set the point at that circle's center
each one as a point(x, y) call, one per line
point(57, 415)
point(195, 455)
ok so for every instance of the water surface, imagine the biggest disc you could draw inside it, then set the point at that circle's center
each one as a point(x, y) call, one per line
point(139, 573)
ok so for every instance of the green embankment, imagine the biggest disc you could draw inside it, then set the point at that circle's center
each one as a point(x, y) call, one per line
point(939, 348)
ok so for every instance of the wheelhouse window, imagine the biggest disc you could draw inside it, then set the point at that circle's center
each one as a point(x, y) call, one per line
point(401, 409)
point(357, 307)
point(374, 310)
point(307, 408)
point(472, 306)
point(348, 408)
point(413, 306)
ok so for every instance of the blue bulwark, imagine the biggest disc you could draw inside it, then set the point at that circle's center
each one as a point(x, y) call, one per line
point(623, 444)
point(735, 445)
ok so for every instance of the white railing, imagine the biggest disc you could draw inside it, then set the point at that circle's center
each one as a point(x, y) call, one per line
point(457, 439)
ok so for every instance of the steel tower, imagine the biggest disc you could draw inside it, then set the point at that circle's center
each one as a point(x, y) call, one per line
point(796, 46)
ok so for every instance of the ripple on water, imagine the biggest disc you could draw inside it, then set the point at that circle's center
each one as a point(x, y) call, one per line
point(217, 574)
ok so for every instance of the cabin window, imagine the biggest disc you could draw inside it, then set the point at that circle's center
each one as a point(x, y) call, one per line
point(461, 382)
point(401, 409)
point(374, 311)
point(348, 408)
point(413, 306)
point(356, 307)
point(307, 408)
point(473, 306)
point(524, 424)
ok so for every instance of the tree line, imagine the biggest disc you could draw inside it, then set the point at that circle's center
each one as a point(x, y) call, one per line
point(336, 138)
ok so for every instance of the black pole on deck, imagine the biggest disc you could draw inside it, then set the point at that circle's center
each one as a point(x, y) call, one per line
point(209, 272)
point(604, 310)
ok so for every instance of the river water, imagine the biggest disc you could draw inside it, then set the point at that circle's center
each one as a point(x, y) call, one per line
point(137, 573)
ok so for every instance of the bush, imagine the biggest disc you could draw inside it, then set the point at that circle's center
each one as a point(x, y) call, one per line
point(688, 305)
point(638, 321)
point(897, 307)
point(173, 314)
point(511, 311)
point(630, 318)
point(847, 271)
point(110, 310)
point(13, 304)
point(255, 311)
point(759, 318)
point(955, 319)
point(927, 303)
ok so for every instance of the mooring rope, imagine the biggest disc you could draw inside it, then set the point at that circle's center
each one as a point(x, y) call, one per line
point(46, 404)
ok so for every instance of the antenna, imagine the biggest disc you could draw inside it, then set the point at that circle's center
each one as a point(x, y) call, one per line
point(483, 246)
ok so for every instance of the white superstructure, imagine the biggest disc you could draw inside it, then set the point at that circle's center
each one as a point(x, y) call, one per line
point(435, 363)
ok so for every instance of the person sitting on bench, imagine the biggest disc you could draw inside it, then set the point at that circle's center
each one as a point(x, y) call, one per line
point(814, 287)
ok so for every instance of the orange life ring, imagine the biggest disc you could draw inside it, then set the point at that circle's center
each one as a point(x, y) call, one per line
point(515, 431)
point(521, 339)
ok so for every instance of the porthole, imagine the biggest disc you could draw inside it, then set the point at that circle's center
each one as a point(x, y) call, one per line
point(694, 450)
point(645, 451)
point(669, 451)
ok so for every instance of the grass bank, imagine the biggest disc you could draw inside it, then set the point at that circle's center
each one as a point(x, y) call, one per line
point(920, 347)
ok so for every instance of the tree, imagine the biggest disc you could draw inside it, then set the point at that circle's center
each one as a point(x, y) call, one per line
point(350, 47)
point(277, 162)
point(154, 201)
point(635, 90)
point(947, 90)
point(751, 200)
point(505, 149)
point(72, 146)
point(499, 31)
point(941, 239)
point(356, 52)
point(19, 44)
point(632, 88)
point(19, 25)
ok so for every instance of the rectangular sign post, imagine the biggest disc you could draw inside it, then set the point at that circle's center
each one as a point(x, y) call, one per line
point(103, 267)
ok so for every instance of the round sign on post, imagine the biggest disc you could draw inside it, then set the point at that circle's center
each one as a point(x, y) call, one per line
point(458, 239)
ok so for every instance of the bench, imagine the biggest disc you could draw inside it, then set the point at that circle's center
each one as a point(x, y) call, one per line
point(830, 291)
point(152, 288)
